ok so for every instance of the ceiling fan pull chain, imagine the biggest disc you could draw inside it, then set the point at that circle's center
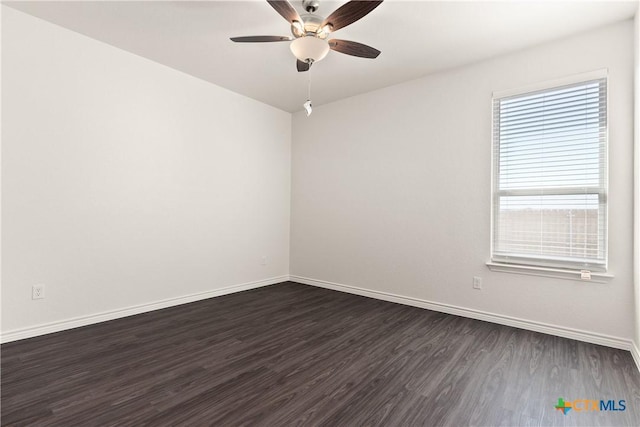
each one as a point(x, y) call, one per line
point(309, 86)
point(307, 105)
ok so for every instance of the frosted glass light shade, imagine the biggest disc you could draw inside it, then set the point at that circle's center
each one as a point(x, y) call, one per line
point(309, 47)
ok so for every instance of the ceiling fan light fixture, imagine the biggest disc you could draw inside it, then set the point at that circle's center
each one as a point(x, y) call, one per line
point(309, 48)
point(297, 28)
point(324, 31)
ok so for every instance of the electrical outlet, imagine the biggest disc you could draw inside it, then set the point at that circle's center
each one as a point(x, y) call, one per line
point(37, 292)
point(477, 282)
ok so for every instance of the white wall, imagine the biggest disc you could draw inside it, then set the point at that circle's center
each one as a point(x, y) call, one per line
point(391, 189)
point(125, 182)
point(636, 257)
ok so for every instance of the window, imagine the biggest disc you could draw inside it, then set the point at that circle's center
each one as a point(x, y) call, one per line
point(550, 177)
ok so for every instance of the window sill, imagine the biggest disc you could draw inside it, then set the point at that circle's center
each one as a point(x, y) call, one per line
point(556, 273)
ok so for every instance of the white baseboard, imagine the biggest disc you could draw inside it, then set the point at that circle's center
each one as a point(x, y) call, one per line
point(635, 352)
point(576, 334)
point(76, 322)
point(580, 335)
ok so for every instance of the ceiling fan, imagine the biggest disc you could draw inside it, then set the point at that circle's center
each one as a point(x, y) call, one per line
point(310, 31)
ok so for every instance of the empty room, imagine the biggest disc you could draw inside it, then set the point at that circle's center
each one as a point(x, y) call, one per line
point(336, 213)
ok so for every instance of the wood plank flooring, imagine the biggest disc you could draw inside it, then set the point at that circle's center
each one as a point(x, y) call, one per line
point(291, 354)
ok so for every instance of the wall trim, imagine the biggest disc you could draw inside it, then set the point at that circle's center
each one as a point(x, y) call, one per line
point(580, 335)
point(76, 322)
point(545, 328)
point(635, 352)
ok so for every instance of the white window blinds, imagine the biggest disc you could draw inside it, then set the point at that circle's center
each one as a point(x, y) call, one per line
point(550, 170)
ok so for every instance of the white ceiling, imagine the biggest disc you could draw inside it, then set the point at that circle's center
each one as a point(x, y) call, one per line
point(416, 38)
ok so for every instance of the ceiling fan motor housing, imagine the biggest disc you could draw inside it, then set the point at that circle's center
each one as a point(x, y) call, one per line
point(309, 26)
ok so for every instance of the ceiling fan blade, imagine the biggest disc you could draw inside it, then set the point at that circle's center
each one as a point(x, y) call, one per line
point(353, 48)
point(302, 66)
point(285, 9)
point(349, 13)
point(261, 39)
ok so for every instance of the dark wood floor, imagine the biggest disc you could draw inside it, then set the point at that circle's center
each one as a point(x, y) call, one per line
point(291, 354)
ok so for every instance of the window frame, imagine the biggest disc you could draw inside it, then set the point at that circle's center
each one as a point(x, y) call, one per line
point(538, 264)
